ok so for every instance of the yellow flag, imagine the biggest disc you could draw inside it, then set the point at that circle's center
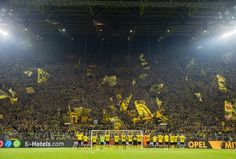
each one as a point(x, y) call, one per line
point(117, 123)
point(13, 93)
point(106, 116)
point(125, 103)
point(28, 73)
point(143, 110)
point(229, 111)
point(141, 57)
point(4, 95)
point(161, 116)
point(135, 120)
point(144, 62)
point(13, 100)
point(159, 103)
point(221, 83)
point(73, 117)
point(199, 96)
point(42, 76)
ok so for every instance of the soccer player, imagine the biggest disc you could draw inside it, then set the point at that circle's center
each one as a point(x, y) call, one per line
point(102, 140)
point(123, 140)
point(130, 138)
point(154, 140)
point(182, 140)
point(139, 139)
point(116, 138)
point(79, 136)
point(166, 139)
point(148, 139)
point(94, 140)
point(85, 140)
point(175, 140)
point(135, 140)
point(171, 140)
point(160, 140)
point(107, 138)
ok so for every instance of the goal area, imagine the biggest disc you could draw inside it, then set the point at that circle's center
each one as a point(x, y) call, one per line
point(116, 138)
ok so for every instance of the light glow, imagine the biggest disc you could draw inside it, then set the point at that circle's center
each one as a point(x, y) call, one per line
point(3, 32)
point(229, 34)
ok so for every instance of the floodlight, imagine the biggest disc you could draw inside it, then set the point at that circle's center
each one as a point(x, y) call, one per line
point(3, 32)
point(63, 29)
point(229, 34)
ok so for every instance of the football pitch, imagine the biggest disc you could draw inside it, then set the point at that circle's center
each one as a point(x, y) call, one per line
point(72, 153)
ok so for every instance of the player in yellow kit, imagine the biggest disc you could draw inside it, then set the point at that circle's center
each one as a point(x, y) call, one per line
point(154, 140)
point(107, 138)
point(166, 139)
point(181, 140)
point(171, 140)
point(160, 140)
point(79, 136)
point(85, 140)
point(130, 139)
point(139, 136)
point(135, 140)
point(116, 138)
point(123, 140)
point(175, 140)
point(94, 140)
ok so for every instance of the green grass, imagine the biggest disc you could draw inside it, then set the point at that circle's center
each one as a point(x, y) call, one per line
point(72, 153)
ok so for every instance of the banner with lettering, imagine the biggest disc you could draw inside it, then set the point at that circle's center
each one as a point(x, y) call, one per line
point(211, 144)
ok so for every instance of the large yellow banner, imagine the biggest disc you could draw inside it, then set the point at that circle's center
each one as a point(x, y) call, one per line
point(143, 111)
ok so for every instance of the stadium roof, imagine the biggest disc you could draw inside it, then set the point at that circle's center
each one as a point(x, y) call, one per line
point(119, 18)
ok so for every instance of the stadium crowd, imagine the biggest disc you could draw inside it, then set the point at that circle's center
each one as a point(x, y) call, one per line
point(43, 114)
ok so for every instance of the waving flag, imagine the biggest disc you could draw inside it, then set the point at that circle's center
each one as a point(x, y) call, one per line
point(143, 110)
point(43, 76)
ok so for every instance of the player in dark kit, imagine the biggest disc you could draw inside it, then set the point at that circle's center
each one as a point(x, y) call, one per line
point(135, 140)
